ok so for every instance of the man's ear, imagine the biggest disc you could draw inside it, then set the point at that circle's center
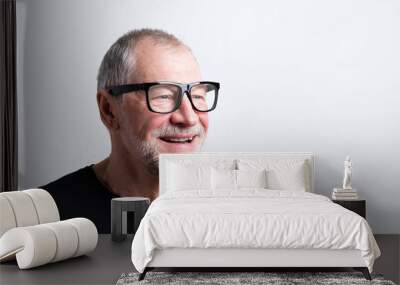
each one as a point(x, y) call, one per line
point(108, 110)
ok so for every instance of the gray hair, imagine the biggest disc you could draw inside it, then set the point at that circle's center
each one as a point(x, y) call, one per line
point(118, 63)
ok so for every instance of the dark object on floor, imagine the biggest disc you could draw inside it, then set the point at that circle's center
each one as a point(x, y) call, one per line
point(364, 271)
point(119, 209)
point(268, 278)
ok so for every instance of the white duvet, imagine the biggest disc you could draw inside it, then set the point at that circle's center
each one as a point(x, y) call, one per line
point(250, 218)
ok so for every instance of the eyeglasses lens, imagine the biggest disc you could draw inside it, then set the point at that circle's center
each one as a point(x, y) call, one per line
point(203, 96)
point(163, 97)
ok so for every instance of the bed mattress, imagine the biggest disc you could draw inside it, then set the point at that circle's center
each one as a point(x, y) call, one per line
point(251, 219)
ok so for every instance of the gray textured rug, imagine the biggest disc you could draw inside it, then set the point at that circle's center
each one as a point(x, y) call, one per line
point(230, 278)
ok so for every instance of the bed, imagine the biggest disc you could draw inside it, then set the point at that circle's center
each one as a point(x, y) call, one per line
point(247, 210)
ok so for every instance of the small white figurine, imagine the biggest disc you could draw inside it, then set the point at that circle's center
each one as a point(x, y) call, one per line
point(347, 174)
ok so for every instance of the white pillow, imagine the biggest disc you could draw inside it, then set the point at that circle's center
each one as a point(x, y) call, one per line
point(288, 177)
point(282, 174)
point(223, 179)
point(181, 177)
point(251, 178)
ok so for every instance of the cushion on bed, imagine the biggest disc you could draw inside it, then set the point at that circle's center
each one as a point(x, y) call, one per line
point(219, 174)
point(251, 178)
point(184, 174)
point(282, 174)
point(181, 177)
point(231, 180)
point(223, 179)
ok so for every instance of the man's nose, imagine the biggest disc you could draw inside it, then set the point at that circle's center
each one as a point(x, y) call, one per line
point(185, 115)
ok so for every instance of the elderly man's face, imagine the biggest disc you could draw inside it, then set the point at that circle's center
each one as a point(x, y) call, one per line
point(146, 134)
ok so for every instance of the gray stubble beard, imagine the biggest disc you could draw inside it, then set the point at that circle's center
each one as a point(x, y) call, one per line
point(149, 150)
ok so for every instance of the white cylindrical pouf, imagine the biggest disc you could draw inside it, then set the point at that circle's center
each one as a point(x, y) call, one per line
point(87, 234)
point(34, 245)
point(45, 205)
point(67, 239)
point(23, 208)
point(7, 218)
point(40, 244)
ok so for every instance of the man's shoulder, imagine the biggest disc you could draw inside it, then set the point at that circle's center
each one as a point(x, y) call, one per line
point(81, 194)
point(83, 177)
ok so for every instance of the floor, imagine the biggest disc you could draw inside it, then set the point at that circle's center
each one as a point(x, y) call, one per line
point(106, 264)
point(389, 262)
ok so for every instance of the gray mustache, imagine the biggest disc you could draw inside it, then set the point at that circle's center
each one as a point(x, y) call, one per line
point(172, 131)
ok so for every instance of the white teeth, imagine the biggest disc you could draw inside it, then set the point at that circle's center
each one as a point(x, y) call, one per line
point(179, 139)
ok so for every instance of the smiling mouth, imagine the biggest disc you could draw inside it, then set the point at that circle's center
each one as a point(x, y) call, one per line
point(182, 140)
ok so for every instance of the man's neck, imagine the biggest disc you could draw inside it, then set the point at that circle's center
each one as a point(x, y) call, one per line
point(126, 178)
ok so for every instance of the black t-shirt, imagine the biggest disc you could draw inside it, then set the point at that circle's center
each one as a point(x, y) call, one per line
point(80, 194)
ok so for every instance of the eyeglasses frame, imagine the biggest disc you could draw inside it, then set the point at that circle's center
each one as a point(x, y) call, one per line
point(185, 89)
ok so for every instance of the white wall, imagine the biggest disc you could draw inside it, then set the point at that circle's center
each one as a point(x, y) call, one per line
point(319, 76)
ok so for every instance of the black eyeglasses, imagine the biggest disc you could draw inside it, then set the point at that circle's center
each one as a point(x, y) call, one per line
point(165, 97)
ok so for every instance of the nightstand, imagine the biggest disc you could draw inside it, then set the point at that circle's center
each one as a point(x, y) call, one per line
point(119, 208)
point(357, 206)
